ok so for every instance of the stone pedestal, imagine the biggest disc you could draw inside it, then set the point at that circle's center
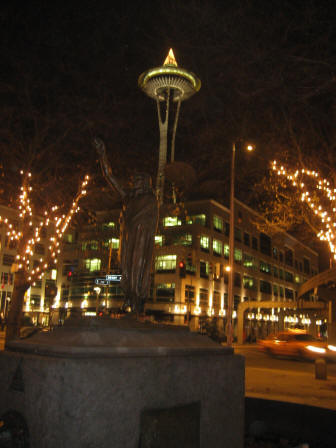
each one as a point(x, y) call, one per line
point(124, 384)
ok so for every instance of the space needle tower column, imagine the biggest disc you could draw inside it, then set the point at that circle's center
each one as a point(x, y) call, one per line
point(169, 85)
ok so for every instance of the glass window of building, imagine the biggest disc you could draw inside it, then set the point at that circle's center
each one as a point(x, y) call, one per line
point(246, 239)
point(227, 229)
point(217, 247)
point(189, 293)
point(275, 272)
point(171, 221)
point(226, 251)
point(204, 243)
point(236, 301)
point(204, 269)
point(165, 263)
point(281, 291)
point(289, 256)
point(237, 234)
point(275, 253)
point(158, 240)
point(92, 264)
point(165, 292)
point(306, 266)
point(236, 279)
point(204, 296)
point(300, 266)
point(218, 223)
point(265, 287)
point(254, 243)
point(288, 276)
point(275, 290)
point(238, 255)
point(216, 299)
point(281, 257)
point(183, 240)
point(8, 259)
point(197, 219)
point(265, 244)
point(281, 274)
point(90, 245)
point(289, 293)
point(112, 242)
point(249, 262)
point(266, 268)
point(109, 225)
point(249, 282)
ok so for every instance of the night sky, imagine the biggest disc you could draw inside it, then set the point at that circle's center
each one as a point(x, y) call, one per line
point(71, 69)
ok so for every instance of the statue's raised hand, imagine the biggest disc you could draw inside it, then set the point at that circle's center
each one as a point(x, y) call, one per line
point(99, 145)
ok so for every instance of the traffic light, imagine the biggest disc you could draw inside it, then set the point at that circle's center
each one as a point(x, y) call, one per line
point(189, 259)
point(182, 268)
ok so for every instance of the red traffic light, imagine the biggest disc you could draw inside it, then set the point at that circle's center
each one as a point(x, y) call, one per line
point(181, 264)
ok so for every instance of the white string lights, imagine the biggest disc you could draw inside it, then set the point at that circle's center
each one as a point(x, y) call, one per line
point(29, 235)
point(318, 195)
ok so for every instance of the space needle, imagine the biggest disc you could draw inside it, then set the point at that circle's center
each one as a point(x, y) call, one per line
point(169, 85)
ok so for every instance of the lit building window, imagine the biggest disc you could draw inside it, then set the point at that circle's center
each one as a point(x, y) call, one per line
point(249, 261)
point(203, 296)
point(171, 221)
point(165, 263)
point(226, 251)
point(165, 292)
point(92, 264)
point(158, 240)
point(218, 223)
point(197, 219)
point(265, 267)
point(90, 245)
point(238, 255)
point(68, 238)
point(249, 282)
point(217, 247)
point(109, 225)
point(183, 240)
point(204, 242)
point(53, 274)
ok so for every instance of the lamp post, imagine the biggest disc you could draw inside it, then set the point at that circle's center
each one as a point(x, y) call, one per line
point(97, 290)
point(229, 326)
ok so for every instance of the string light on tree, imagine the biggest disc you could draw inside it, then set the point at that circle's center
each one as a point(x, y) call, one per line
point(315, 191)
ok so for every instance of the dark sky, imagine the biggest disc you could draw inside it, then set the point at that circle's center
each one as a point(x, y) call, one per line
point(267, 71)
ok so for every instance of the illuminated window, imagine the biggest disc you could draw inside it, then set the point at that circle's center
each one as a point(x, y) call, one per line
point(53, 274)
point(90, 245)
point(183, 240)
point(217, 247)
point(238, 255)
point(165, 292)
point(297, 279)
point(114, 243)
point(249, 261)
point(165, 263)
point(109, 225)
point(171, 221)
point(92, 264)
point(265, 267)
point(226, 251)
point(158, 240)
point(204, 242)
point(68, 238)
point(218, 223)
point(197, 219)
point(249, 282)
point(204, 269)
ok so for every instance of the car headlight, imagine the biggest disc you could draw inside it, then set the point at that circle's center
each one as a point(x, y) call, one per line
point(314, 349)
point(332, 348)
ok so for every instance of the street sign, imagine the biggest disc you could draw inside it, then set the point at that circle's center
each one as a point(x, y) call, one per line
point(113, 278)
point(101, 281)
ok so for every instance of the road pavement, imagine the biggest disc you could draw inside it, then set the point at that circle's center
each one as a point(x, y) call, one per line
point(286, 380)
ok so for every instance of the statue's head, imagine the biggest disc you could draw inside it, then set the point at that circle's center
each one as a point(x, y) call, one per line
point(141, 183)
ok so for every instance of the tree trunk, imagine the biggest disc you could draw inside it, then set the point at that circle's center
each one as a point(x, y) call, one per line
point(16, 304)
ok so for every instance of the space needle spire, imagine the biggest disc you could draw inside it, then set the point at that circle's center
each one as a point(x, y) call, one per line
point(169, 85)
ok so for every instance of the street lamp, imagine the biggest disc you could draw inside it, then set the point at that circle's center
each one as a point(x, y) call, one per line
point(97, 291)
point(229, 327)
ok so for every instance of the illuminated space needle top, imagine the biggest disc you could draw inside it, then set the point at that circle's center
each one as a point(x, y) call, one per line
point(167, 84)
point(155, 81)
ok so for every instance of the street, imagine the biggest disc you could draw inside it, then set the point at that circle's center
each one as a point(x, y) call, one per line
point(286, 380)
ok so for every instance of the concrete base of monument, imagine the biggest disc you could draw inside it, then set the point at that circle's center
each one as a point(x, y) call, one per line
point(123, 383)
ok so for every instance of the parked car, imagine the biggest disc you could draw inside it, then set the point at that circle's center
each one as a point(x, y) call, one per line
point(297, 344)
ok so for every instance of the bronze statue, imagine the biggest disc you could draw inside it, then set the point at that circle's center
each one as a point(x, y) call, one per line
point(138, 224)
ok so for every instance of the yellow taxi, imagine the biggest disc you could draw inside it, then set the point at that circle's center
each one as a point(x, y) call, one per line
point(297, 344)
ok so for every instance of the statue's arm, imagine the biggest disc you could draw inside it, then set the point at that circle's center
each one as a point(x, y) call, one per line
point(105, 166)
